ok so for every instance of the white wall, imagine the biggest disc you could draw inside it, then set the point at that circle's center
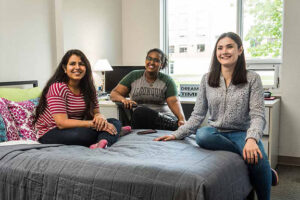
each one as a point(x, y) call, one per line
point(141, 29)
point(26, 38)
point(290, 81)
point(35, 34)
point(95, 27)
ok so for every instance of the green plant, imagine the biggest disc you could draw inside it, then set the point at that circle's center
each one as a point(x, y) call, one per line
point(265, 37)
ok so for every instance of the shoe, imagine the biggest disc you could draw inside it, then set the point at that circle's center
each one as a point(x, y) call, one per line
point(165, 122)
point(125, 130)
point(102, 144)
point(275, 178)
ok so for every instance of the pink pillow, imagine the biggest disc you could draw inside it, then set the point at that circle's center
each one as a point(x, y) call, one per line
point(10, 125)
point(23, 115)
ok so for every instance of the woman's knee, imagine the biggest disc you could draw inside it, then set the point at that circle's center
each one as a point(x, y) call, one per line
point(116, 123)
point(264, 161)
point(143, 117)
point(141, 113)
point(204, 135)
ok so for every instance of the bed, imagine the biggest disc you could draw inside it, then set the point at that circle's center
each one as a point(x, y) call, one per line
point(136, 167)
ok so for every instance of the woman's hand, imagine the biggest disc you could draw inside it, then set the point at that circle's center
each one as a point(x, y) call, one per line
point(111, 129)
point(251, 151)
point(128, 103)
point(165, 138)
point(181, 122)
point(99, 122)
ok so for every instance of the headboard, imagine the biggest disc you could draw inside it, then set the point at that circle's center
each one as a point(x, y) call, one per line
point(33, 82)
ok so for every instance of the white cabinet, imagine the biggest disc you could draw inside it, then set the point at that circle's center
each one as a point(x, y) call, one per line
point(109, 109)
point(271, 133)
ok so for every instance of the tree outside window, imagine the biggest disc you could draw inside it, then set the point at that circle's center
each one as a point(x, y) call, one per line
point(263, 28)
point(200, 47)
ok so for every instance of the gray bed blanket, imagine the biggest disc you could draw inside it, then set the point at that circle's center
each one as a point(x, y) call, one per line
point(136, 167)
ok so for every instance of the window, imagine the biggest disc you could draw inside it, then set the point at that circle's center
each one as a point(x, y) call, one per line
point(195, 25)
point(267, 72)
point(182, 49)
point(172, 49)
point(200, 47)
point(171, 66)
point(202, 25)
point(262, 28)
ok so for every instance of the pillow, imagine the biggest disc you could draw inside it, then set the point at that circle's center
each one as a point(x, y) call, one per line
point(35, 101)
point(3, 137)
point(10, 125)
point(18, 94)
point(23, 115)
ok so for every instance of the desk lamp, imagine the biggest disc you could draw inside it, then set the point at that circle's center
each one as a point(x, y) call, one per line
point(102, 65)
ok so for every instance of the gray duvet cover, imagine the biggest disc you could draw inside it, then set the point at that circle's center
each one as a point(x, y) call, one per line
point(133, 168)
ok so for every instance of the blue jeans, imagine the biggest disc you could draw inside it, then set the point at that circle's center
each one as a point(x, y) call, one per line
point(260, 173)
point(80, 136)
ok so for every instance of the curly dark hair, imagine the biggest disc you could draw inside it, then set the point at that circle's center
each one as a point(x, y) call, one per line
point(86, 85)
point(239, 75)
point(164, 59)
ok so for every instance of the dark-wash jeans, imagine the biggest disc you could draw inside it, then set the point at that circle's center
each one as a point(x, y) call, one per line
point(80, 136)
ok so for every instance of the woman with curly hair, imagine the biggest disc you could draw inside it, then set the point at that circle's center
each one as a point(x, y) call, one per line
point(68, 111)
point(154, 93)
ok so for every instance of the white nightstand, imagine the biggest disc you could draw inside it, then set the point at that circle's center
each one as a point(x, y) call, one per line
point(109, 109)
point(271, 132)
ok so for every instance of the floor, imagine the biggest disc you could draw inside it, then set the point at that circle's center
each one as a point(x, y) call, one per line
point(289, 184)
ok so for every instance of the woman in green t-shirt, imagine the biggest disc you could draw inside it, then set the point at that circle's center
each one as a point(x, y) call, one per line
point(154, 93)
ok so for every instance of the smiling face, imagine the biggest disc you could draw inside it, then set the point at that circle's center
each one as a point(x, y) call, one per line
point(75, 69)
point(153, 62)
point(228, 52)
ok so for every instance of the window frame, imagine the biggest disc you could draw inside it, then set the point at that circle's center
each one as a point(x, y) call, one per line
point(253, 64)
point(266, 67)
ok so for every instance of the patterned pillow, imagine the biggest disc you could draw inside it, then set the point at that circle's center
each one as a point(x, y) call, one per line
point(23, 115)
point(3, 137)
point(35, 101)
point(10, 125)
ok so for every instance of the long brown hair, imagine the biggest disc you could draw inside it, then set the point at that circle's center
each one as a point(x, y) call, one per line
point(86, 85)
point(239, 75)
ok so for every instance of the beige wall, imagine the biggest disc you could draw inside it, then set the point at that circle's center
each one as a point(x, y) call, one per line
point(35, 34)
point(26, 40)
point(95, 27)
point(141, 29)
point(289, 143)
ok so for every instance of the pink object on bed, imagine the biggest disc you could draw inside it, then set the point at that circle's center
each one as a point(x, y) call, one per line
point(23, 115)
point(10, 125)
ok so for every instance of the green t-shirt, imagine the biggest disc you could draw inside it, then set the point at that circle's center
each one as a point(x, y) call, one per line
point(152, 94)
